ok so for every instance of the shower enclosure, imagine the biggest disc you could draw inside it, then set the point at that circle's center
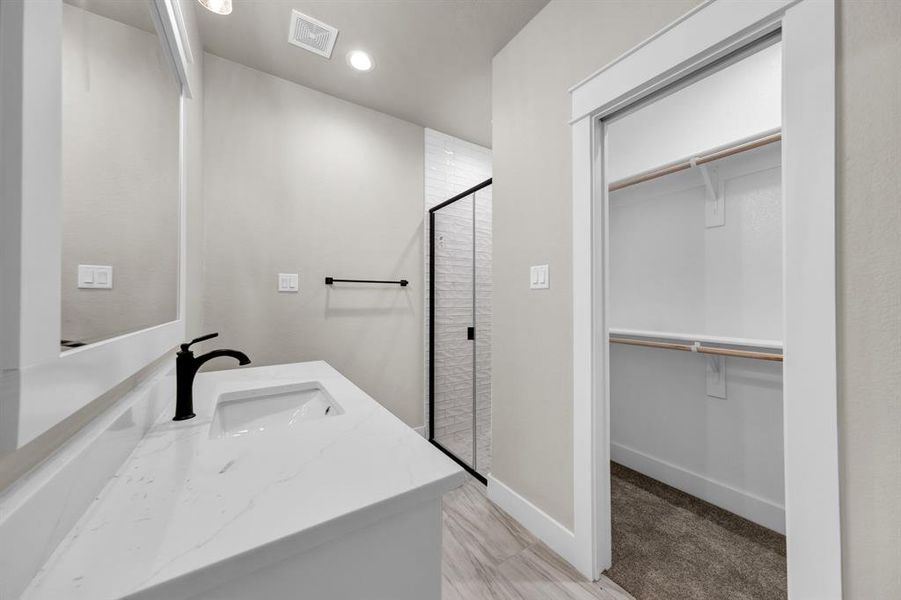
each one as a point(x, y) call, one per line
point(460, 328)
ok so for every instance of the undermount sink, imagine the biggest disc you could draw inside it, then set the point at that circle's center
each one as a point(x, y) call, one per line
point(271, 409)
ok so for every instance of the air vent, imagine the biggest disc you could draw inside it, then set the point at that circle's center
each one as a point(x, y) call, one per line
point(312, 35)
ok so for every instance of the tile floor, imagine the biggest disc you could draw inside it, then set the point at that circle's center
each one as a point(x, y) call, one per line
point(488, 556)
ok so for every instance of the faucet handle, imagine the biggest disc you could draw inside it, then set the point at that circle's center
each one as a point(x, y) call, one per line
point(203, 338)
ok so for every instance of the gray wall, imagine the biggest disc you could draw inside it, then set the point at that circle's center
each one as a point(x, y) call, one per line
point(869, 295)
point(532, 421)
point(119, 177)
point(532, 365)
point(297, 181)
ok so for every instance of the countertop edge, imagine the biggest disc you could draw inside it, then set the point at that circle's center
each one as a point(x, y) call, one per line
point(211, 576)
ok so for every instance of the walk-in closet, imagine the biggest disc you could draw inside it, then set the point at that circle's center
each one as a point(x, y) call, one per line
point(694, 220)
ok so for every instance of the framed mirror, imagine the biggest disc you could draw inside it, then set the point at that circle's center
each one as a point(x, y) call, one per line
point(92, 217)
point(120, 173)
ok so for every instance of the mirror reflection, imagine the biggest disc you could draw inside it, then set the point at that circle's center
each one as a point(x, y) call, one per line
point(120, 173)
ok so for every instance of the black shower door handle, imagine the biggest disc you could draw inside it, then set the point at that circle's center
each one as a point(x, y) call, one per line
point(470, 333)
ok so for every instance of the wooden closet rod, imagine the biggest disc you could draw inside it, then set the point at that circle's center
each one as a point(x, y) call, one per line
point(750, 144)
point(699, 348)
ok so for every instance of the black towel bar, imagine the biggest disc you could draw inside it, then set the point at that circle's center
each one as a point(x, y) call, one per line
point(331, 280)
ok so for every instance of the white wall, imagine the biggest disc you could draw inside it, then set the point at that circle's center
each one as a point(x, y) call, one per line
point(532, 419)
point(727, 451)
point(737, 101)
point(453, 165)
point(669, 273)
point(532, 143)
point(296, 181)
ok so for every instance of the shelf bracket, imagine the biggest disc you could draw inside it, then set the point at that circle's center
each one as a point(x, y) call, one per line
point(714, 205)
point(716, 376)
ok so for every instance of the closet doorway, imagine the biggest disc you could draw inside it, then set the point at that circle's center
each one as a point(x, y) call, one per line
point(694, 325)
point(697, 44)
point(460, 328)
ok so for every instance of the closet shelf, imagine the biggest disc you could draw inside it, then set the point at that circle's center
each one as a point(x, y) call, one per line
point(653, 340)
point(767, 137)
point(698, 337)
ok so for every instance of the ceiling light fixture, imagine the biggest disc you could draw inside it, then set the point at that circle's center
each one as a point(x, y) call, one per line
point(220, 7)
point(359, 60)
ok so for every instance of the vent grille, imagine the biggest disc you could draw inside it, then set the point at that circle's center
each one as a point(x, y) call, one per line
point(311, 34)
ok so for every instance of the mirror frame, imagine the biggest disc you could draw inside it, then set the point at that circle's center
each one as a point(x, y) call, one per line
point(39, 385)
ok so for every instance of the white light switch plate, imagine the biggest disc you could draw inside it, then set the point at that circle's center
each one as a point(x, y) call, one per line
point(539, 277)
point(287, 282)
point(96, 277)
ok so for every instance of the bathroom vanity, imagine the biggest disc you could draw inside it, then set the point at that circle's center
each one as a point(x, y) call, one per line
point(290, 482)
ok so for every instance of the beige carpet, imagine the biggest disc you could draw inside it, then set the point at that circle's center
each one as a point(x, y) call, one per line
point(668, 545)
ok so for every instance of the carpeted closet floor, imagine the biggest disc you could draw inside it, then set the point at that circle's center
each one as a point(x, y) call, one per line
point(668, 545)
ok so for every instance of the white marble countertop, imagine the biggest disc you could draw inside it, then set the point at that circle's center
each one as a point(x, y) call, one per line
point(186, 511)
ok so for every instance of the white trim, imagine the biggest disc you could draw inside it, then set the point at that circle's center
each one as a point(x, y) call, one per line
point(557, 537)
point(589, 444)
point(52, 390)
point(810, 380)
point(743, 503)
point(420, 430)
point(166, 22)
point(714, 30)
point(41, 174)
point(43, 386)
point(182, 30)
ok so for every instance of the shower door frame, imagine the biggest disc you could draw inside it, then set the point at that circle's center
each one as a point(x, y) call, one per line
point(431, 429)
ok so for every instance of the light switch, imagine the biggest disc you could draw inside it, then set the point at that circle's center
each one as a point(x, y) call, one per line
point(95, 277)
point(539, 277)
point(288, 282)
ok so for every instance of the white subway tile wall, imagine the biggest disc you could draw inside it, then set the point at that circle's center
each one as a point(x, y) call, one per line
point(453, 166)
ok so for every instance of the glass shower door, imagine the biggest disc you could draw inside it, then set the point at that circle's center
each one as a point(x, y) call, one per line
point(459, 328)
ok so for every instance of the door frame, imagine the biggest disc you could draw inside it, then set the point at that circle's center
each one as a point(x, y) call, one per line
point(709, 32)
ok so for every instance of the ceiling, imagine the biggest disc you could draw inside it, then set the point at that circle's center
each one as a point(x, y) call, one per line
point(136, 14)
point(432, 57)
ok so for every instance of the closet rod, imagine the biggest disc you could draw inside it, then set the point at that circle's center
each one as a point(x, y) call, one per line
point(748, 144)
point(697, 347)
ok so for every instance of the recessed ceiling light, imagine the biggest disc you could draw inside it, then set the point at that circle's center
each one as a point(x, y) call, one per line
point(359, 60)
point(220, 7)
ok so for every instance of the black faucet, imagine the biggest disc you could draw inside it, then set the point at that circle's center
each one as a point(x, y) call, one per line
point(186, 366)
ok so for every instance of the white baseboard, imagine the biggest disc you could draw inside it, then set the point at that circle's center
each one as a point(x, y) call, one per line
point(560, 539)
point(747, 505)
